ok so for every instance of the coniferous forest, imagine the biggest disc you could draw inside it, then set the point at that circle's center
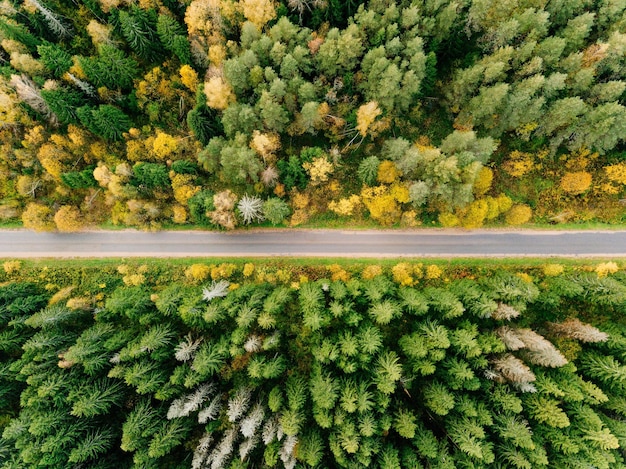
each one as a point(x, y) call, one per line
point(219, 113)
point(235, 365)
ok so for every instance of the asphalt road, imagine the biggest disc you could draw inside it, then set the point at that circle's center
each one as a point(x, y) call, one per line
point(315, 243)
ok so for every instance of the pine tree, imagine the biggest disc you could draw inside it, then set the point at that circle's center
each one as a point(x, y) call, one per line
point(55, 59)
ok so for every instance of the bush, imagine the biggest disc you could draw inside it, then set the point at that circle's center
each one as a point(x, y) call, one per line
point(275, 210)
point(518, 215)
point(576, 183)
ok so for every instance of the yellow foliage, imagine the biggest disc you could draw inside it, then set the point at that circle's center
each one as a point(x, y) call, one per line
point(68, 218)
point(189, 77)
point(504, 204)
point(34, 137)
point(319, 169)
point(483, 182)
point(382, 206)
point(616, 172)
point(519, 214)
point(136, 150)
point(553, 270)
point(183, 187)
point(11, 46)
point(409, 219)
point(606, 268)
point(123, 269)
point(38, 217)
point(99, 33)
point(387, 172)
point(579, 161)
point(223, 271)
point(258, 12)
point(248, 269)
point(400, 192)
point(384, 209)
point(366, 115)
point(82, 303)
point(218, 93)
point(518, 164)
point(475, 214)
point(217, 54)
point(103, 175)
point(338, 273)
point(51, 157)
point(107, 5)
point(279, 190)
point(62, 294)
point(265, 144)
point(26, 185)
point(98, 151)
point(10, 267)
point(179, 215)
point(346, 206)
point(448, 220)
point(525, 277)
point(298, 217)
point(300, 200)
point(77, 136)
point(197, 273)
point(402, 274)
point(26, 63)
point(224, 200)
point(371, 271)
point(164, 145)
point(433, 272)
point(134, 280)
point(576, 183)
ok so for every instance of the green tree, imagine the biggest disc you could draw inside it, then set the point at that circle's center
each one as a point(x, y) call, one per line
point(106, 121)
point(112, 68)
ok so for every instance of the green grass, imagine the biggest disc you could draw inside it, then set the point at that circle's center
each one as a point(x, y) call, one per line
point(352, 263)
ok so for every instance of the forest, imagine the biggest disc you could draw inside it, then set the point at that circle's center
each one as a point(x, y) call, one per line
point(223, 113)
point(113, 364)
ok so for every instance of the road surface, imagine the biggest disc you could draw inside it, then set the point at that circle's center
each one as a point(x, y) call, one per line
point(315, 243)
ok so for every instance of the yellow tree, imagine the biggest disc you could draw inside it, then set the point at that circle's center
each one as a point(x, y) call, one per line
point(258, 12)
point(218, 93)
point(68, 218)
point(365, 117)
point(38, 217)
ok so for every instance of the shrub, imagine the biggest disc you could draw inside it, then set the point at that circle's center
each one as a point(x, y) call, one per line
point(388, 172)
point(576, 183)
point(197, 273)
point(38, 217)
point(346, 206)
point(448, 220)
point(518, 164)
point(10, 267)
point(553, 270)
point(275, 210)
point(519, 214)
point(483, 181)
point(68, 218)
point(606, 268)
point(371, 271)
point(368, 170)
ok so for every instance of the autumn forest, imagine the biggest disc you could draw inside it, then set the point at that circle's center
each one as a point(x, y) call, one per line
point(219, 113)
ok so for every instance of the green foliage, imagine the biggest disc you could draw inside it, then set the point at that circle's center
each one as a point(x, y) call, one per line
point(149, 176)
point(79, 179)
point(140, 383)
point(173, 36)
point(112, 68)
point(138, 27)
point(275, 210)
point(106, 121)
point(55, 59)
